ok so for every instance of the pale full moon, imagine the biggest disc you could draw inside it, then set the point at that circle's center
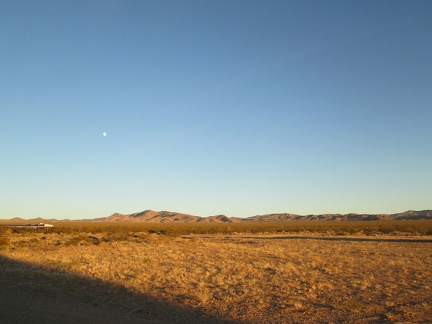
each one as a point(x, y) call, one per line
point(104, 134)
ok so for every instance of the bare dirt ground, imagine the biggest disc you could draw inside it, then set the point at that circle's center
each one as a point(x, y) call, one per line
point(216, 279)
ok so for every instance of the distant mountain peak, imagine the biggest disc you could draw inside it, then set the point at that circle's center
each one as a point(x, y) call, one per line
point(151, 216)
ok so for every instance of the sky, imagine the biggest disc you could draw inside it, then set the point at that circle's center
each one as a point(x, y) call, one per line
point(215, 107)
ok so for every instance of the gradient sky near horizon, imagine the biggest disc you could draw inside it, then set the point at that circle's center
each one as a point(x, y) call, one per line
point(215, 107)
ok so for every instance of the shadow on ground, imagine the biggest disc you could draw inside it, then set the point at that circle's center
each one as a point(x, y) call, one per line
point(32, 294)
point(338, 238)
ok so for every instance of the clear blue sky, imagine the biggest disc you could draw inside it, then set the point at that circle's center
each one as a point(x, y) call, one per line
point(215, 107)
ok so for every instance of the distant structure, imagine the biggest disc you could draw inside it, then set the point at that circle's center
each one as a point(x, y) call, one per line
point(36, 226)
point(46, 225)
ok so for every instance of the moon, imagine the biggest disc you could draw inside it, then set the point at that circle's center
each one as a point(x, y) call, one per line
point(104, 134)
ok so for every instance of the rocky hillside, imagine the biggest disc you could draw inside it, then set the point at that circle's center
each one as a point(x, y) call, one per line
point(150, 216)
point(408, 215)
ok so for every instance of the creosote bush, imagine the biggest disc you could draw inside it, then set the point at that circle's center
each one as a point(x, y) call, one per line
point(121, 231)
point(95, 233)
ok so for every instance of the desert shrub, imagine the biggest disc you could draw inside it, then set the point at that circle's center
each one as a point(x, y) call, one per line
point(23, 231)
point(4, 243)
point(27, 243)
point(122, 231)
point(79, 240)
point(116, 236)
point(368, 231)
point(341, 232)
point(386, 229)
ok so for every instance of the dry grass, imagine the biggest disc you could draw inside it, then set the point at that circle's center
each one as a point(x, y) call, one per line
point(340, 228)
point(258, 279)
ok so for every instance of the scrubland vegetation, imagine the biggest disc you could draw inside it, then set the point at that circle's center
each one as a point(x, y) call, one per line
point(251, 273)
point(341, 228)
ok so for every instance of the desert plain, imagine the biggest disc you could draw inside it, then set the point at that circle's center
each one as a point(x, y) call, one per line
point(208, 274)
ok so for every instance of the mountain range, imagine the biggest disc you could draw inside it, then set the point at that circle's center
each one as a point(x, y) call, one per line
point(151, 216)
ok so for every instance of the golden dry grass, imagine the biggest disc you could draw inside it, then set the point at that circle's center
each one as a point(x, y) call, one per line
point(251, 279)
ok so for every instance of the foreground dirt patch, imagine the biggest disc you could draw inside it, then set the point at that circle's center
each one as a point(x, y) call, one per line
point(236, 279)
